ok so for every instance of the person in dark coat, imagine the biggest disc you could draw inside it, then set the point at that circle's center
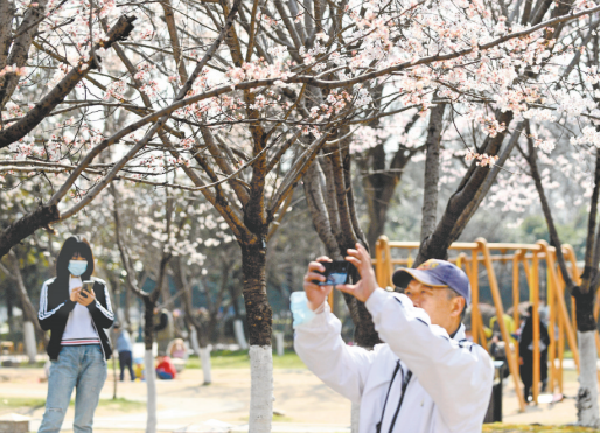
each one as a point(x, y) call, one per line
point(526, 354)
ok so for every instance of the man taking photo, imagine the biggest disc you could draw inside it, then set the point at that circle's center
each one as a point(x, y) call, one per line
point(426, 377)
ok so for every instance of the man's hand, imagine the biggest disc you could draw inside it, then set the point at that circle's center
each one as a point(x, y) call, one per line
point(367, 283)
point(86, 298)
point(316, 294)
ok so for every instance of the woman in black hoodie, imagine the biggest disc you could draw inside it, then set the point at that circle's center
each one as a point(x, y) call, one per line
point(79, 346)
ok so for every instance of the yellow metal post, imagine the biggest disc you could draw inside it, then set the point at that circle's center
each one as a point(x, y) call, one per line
point(564, 320)
point(512, 362)
point(475, 315)
point(382, 250)
point(535, 322)
point(515, 288)
point(551, 302)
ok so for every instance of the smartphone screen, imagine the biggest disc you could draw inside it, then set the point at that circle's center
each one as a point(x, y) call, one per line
point(87, 286)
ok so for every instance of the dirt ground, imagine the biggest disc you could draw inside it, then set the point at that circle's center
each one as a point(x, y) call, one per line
point(301, 402)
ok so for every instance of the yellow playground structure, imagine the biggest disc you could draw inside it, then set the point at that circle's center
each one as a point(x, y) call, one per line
point(480, 255)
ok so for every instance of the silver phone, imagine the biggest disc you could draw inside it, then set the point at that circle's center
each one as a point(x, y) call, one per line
point(87, 286)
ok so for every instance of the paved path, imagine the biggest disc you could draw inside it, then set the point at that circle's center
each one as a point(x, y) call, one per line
point(305, 404)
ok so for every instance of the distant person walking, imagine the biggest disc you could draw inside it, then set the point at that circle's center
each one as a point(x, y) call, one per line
point(526, 354)
point(165, 330)
point(125, 353)
point(79, 346)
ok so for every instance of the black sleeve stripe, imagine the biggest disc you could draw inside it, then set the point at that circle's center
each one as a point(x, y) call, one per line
point(422, 321)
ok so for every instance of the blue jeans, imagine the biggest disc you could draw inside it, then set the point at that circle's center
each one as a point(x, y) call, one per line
point(81, 367)
point(125, 361)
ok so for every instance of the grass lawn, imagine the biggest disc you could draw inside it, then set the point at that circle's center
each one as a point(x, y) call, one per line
point(120, 404)
point(241, 359)
point(499, 428)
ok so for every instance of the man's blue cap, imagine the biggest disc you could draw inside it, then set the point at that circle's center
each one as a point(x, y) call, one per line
point(436, 273)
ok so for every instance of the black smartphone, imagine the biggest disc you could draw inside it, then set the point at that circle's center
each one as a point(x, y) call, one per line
point(87, 286)
point(336, 273)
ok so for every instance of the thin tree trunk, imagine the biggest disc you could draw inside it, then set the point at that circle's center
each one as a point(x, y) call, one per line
point(432, 172)
point(380, 182)
point(206, 365)
point(29, 312)
point(198, 331)
point(149, 300)
point(151, 391)
point(29, 337)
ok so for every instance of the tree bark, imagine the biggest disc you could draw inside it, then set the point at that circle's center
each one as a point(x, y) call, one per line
point(149, 300)
point(201, 334)
point(19, 129)
point(151, 391)
point(20, 47)
point(29, 311)
point(460, 207)
point(260, 319)
point(432, 171)
point(587, 395)
point(26, 226)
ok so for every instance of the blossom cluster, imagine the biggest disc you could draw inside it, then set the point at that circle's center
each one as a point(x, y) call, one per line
point(481, 160)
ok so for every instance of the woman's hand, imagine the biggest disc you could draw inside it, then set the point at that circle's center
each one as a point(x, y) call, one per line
point(75, 294)
point(86, 298)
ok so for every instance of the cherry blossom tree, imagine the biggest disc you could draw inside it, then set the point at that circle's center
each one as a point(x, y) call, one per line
point(240, 111)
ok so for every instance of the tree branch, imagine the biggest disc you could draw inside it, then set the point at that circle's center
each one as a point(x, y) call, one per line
point(18, 130)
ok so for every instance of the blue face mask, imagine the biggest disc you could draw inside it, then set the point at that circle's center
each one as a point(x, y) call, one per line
point(77, 267)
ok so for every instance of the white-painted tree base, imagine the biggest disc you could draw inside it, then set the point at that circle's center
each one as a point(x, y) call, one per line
point(205, 360)
point(151, 392)
point(354, 417)
point(587, 399)
point(261, 388)
point(29, 337)
point(194, 340)
point(238, 327)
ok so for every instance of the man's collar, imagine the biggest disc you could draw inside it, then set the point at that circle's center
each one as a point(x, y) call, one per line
point(460, 333)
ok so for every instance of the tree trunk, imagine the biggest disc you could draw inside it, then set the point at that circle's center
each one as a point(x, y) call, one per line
point(198, 332)
point(26, 226)
point(587, 396)
point(432, 173)
point(29, 337)
point(460, 207)
point(193, 340)
point(149, 365)
point(206, 366)
point(240, 337)
point(9, 298)
point(29, 312)
point(151, 391)
point(260, 319)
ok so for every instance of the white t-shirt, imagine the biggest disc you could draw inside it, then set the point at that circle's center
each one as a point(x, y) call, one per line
point(79, 328)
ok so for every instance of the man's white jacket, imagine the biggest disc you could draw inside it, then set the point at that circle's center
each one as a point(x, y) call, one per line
point(451, 380)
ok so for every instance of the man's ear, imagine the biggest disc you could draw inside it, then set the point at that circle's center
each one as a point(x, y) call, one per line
point(458, 304)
